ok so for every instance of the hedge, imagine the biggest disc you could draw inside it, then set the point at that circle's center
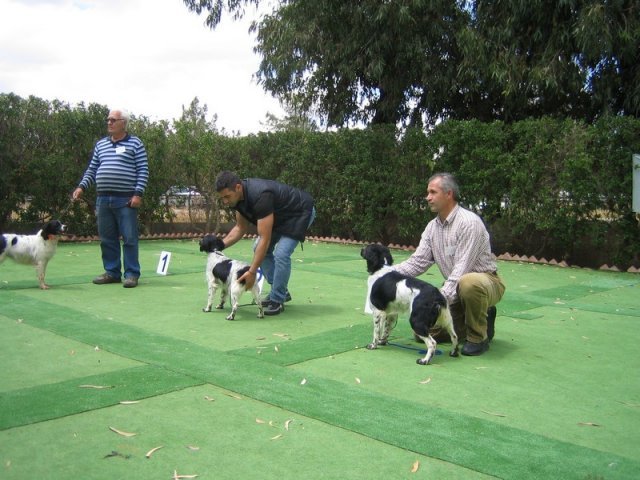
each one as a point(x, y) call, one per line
point(552, 188)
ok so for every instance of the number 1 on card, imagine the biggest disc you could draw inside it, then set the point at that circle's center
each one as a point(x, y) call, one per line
point(163, 264)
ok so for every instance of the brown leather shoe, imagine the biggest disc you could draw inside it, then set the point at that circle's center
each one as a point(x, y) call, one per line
point(130, 282)
point(104, 279)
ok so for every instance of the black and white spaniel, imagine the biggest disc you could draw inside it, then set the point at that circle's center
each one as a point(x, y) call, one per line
point(35, 249)
point(224, 273)
point(390, 293)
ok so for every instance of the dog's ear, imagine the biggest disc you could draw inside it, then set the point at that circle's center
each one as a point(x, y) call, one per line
point(387, 257)
point(384, 255)
point(48, 229)
point(204, 243)
point(373, 254)
point(219, 244)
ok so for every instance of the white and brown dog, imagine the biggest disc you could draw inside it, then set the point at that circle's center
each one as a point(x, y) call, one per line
point(391, 293)
point(224, 273)
point(35, 249)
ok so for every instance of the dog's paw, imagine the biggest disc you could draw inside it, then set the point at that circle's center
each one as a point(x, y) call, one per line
point(260, 314)
point(231, 317)
point(372, 346)
point(206, 309)
point(454, 353)
point(220, 306)
point(422, 361)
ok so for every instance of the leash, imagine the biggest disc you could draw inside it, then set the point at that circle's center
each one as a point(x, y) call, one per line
point(407, 347)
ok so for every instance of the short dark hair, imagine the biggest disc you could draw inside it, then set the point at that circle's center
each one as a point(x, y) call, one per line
point(448, 183)
point(226, 179)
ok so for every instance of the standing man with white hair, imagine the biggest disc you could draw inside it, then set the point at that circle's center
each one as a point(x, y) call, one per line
point(120, 171)
point(458, 242)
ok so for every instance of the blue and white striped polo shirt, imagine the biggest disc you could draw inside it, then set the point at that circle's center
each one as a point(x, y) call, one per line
point(118, 168)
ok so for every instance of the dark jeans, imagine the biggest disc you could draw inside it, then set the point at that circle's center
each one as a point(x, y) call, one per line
point(116, 220)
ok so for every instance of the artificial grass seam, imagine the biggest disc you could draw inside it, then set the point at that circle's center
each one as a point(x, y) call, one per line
point(46, 402)
point(474, 443)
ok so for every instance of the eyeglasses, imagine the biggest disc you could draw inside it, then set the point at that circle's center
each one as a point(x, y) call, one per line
point(113, 120)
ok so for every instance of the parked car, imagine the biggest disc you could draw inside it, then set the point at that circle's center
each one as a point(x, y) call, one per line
point(177, 196)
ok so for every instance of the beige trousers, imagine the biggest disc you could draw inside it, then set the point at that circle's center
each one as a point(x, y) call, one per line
point(476, 293)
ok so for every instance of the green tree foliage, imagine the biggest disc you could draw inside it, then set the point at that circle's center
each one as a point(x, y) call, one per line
point(576, 58)
point(162, 170)
point(295, 118)
point(198, 152)
point(44, 145)
point(558, 188)
point(416, 62)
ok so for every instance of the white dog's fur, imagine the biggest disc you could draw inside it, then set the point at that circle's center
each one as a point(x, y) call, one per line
point(224, 273)
point(35, 249)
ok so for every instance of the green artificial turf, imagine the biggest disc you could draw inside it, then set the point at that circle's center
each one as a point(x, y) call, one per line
point(555, 397)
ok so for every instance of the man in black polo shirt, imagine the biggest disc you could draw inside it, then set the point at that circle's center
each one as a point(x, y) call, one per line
point(282, 215)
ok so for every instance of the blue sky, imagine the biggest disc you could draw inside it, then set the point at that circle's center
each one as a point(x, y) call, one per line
point(150, 56)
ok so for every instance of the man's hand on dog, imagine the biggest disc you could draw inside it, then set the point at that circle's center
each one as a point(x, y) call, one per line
point(249, 279)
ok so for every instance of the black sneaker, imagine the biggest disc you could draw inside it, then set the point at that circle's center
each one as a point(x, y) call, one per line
point(267, 300)
point(475, 349)
point(273, 308)
point(491, 322)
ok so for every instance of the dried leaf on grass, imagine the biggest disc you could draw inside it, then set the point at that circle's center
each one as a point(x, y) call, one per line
point(277, 437)
point(259, 420)
point(209, 399)
point(281, 335)
point(96, 387)
point(115, 453)
point(415, 466)
point(357, 380)
point(129, 402)
point(276, 349)
point(286, 424)
point(589, 424)
point(193, 448)
point(177, 476)
point(304, 380)
point(494, 414)
point(151, 452)
point(425, 381)
point(237, 397)
point(120, 432)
